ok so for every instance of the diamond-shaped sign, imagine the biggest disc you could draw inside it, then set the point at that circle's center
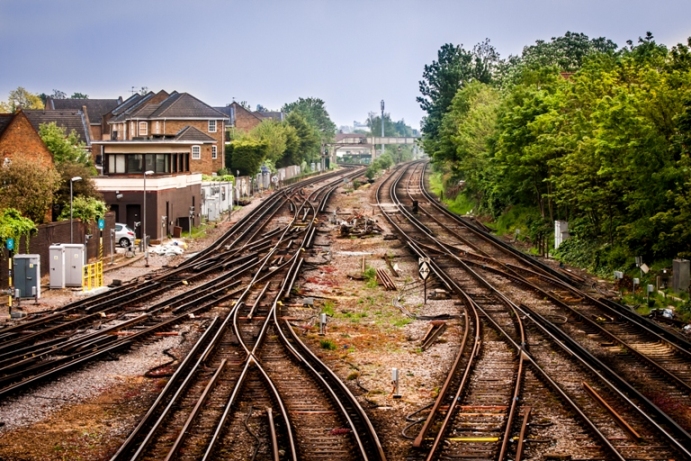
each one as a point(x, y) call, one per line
point(424, 270)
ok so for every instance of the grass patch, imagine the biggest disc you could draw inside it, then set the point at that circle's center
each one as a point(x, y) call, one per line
point(328, 308)
point(327, 344)
point(402, 322)
point(370, 275)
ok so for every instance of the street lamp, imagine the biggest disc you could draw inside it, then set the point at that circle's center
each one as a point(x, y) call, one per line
point(73, 180)
point(382, 126)
point(146, 247)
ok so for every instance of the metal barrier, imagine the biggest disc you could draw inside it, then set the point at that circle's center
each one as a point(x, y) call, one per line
point(92, 276)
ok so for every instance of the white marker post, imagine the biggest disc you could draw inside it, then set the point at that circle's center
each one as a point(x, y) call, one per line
point(424, 270)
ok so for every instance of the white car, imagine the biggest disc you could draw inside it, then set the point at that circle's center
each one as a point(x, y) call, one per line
point(124, 235)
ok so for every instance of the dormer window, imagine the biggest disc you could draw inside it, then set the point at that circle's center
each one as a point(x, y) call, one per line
point(212, 126)
point(143, 129)
point(196, 152)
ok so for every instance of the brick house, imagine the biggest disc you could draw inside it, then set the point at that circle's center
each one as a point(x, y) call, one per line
point(70, 120)
point(161, 116)
point(19, 138)
point(240, 119)
point(174, 136)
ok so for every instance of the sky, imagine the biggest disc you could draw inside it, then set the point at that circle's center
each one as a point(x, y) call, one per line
point(351, 54)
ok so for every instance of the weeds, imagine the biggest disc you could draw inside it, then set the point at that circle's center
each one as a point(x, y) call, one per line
point(327, 344)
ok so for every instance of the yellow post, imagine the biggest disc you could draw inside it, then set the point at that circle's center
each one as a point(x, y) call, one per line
point(9, 284)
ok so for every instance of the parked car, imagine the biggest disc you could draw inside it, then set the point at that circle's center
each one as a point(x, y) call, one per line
point(124, 235)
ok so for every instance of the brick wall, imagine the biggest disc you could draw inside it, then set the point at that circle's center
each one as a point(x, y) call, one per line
point(20, 139)
point(59, 232)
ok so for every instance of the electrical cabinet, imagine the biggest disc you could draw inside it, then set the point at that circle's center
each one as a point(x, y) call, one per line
point(681, 275)
point(75, 255)
point(56, 265)
point(27, 275)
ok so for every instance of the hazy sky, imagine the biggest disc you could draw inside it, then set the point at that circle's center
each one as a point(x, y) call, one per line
point(351, 54)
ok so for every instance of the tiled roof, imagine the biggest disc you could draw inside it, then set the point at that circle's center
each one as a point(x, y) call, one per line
point(5, 120)
point(175, 106)
point(184, 105)
point(134, 104)
point(190, 133)
point(68, 119)
point(96, 108)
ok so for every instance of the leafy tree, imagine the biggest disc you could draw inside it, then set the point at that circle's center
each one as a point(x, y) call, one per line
point(77, 95)
point(468, 132)
point(64, 147)
point(454, 68)
point(88, 209)
point(273, 134)
point(84, 188)
point(28, 187)
point(308, 142)
point(21, 99)
point(245, 155)
point(14, 226)
point(314, 112)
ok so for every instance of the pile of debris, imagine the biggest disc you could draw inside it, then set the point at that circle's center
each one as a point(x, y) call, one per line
point(356, 225)
point(174, 248)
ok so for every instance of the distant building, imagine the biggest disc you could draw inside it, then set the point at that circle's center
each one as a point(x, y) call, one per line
point(175, 136)
point(243, 120)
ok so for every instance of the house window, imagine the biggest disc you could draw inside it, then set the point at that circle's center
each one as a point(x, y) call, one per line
point(143, 129)
point(212, 126)
point(214, 154)
point(196, 152)
point(157, 128)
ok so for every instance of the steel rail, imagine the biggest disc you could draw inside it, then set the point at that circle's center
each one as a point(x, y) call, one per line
point(584, 353)
point(518, 376)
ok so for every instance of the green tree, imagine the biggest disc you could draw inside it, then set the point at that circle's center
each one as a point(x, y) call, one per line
point(77, 95)
point(308, 143)
point(84, 188)
point(64, 147)
point(245, 155)
point(315, 113)
point(88, 209)
point(274, 135)
point(453, 68)
point(28, 187)
point(14, 226)
point(21, 99)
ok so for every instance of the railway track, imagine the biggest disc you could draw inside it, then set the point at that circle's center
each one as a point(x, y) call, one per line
point(256, 392)
point(47, 345)
point(486, 425)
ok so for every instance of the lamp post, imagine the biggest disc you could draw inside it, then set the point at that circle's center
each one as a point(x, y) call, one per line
point(146, 247)
point(382, 126)
point(72, 181)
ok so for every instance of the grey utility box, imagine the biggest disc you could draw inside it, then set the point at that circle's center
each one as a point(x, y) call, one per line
point(56, 256)
point(27, 275)
point(680, 275)
point(74, 263)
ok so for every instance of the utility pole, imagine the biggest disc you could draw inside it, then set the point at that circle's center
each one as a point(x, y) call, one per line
point(382, 126)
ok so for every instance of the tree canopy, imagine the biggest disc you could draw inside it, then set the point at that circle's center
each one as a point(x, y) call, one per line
point(21, 99)
point(28, 187)
point(573, 129)
point(314, 112)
